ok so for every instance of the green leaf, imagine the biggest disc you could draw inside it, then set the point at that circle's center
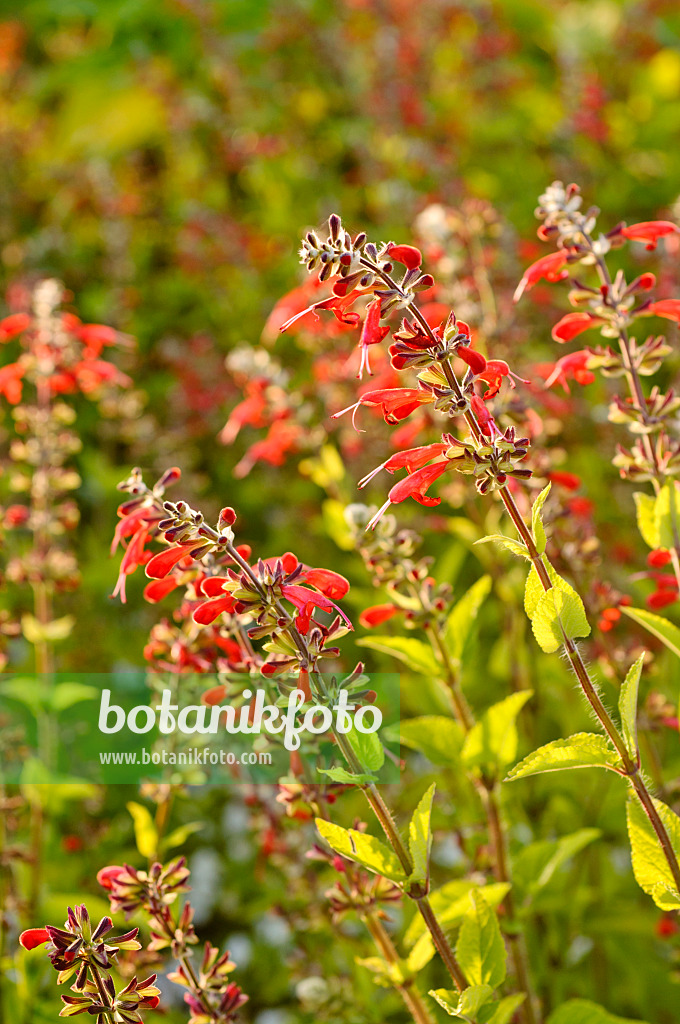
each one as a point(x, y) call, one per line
point(582, 750)
point(65, 695)
point(666, 514)
point(451, 902)
point(661, 628)
point(505, 542)
point(46, 632)
point(480, 950)
point(146, 833)
point(537, 520)
point(582, 1011)
point(628, 698)
point(504, 1011)
point(466, 1005)
point(371, 853)
point(463, 616)
point(32, 693)
point(420, 836)
point(342, 775)
point(368, 749)
point(421, 954)
point(439, 738)
point(536, 865)
point(650, 866)
point(646, 520)
point(492, 742)
point(558, 610)
point(414, 653)
point(179, 836)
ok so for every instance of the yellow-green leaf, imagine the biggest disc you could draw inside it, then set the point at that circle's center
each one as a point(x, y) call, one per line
point(491, 744)
point(582, 750)
point(537, 520)
point(661, 628)
point(371, 853)
point(480, 950)
point(420, 837)
point(650, 866)
point(628, 698)
point(146, 833)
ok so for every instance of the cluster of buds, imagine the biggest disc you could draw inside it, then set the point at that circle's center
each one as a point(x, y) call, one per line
point(491, 461)
point(211, 997)
point(82, 951)
point(388, 553)
point(355, 891)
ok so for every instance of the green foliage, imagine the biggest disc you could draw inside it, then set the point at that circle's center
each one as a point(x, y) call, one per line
point(420, 838)
point(582, 750)
point(537, 520)
point(462, 617)
point(371, 853)
point(649, 863)
point(415, 654)
point(667, 632)
point(491, 744)
point(628, 705)
point(480, 949)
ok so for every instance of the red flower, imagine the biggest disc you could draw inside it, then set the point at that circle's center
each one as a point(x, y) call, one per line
point(377, 614)
point(568, 480)
point(408, 255)
point(339, 306)
point(33, 937)
point(11, 382)
point(575, 365)
point(650, 231)
point(658, 558)
point(13, 325)
point(160, 565)
point(158, 589)
point(550, 267)
point(666, 927)
point(668, 308)
point(107, 876)
point(410, 460)
point(572, 324)
point(249, 412)
point(208, 611)
point(371, 334)
point(395, 403)
point(134, 556)
point(415, 486)
point(661, 598)
point(281, 438)
point(475, 360)
point(330, 583)
point(582, 508)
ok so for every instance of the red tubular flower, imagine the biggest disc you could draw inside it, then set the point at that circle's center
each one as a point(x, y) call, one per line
point(13, 325)
point(95, 337)
point(661, 598)
point(475, 360)
point(550, 267)
point(658, 558)
point(372, 333)
point(11, 382)
point(484, 417)
point(574, 365)
point(160, 565)
point(414, 486)
point(395, 403)
point(407, 255)
point(650, 231)
point(107, 876)
point(330, 583)
point(134, 556)
point(33, 937)
point(568, 480)
point(158, 589)
point(249, 412)
point(668, 308)
point(573, 324)
point(208, 611)
point(410, 460)
point(377, 614)
point(337, 304)
point(281, 438)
